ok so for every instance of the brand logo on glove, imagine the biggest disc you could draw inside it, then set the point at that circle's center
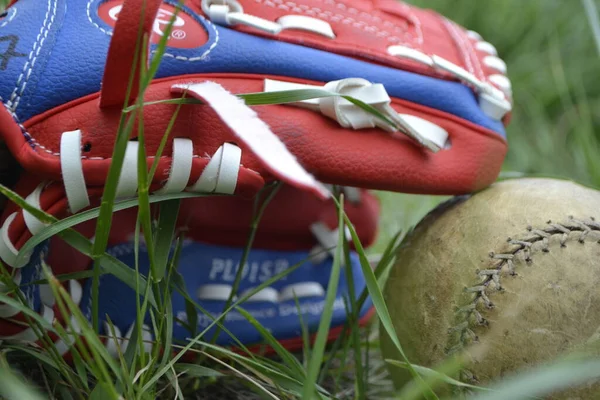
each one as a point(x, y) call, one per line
point(186, 33)
point(225, 270)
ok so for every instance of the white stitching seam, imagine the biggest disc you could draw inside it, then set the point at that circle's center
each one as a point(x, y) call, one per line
point(12, 13)
point(37, 46)
point(16, 119)
point(31, 140)
point(347, 20)
point(464, 48)
point(89, 15)
point(166, 54)
point(415, 20)
point(203, 56)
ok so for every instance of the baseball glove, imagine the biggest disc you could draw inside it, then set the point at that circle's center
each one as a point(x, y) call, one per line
point(297, 230)
point(414, 102)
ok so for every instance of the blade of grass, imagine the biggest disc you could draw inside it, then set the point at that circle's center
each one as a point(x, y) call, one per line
point(80, 369)
point(353, 312)
point(196, 339)
point(592, 13)
point(167, 323)
point(257, 216)
point(41, 329)
point(163, 142)
point(304, 329)
point(264, 365)
point(543, 380)
point(123, 134)
point(57, 226)
point(240, 373)
point(379, 303)
point(316, 359)
point(65, 392)
point(102, 392)
point(161, 47)
point(144, 212)
point(134, 352)
point(36, 354)
point(288, 359)
point(108, 262)
point(434, 376)
point(24, 309)
point(121, 359)
point(383, 264)
point(124, 130)
point(14, 387)
point(280, 97)
point(197, 371)
point(165, 234)
point(92, 350)
point(79, 242)
point(290, 96)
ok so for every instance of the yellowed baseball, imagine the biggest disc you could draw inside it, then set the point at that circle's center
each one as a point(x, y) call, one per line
point(510, 276)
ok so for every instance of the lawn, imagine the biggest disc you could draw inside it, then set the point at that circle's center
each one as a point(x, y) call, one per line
point(552, 49)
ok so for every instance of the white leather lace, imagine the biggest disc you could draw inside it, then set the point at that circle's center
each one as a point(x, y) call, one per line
point(493, 101)
point(219, 176)
point(349, 115)
point(231, 13)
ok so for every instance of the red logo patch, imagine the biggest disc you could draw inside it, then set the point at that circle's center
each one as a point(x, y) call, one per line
point(187, 33)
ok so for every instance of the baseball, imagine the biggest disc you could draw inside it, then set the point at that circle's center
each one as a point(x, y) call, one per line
point(508, 277)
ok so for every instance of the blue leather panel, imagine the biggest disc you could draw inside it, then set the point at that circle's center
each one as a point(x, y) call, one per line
point(202, 264)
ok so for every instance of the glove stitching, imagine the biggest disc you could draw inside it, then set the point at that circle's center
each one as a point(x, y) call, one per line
point(166, 54)
point(409, 14)
point(89, 15)
point(343, 19)
point(12, 13)
point(466, 51)
point(33, 143)
point(201, 57)
point(415, 20)
point(35, 51)
point(28, 138)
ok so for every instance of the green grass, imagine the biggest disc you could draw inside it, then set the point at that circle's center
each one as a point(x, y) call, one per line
point(552, 50)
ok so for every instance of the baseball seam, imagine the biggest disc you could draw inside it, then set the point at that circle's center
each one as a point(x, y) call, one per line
point(469, 316)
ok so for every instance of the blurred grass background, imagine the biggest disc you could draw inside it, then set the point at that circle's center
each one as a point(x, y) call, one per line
point(554, 65)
